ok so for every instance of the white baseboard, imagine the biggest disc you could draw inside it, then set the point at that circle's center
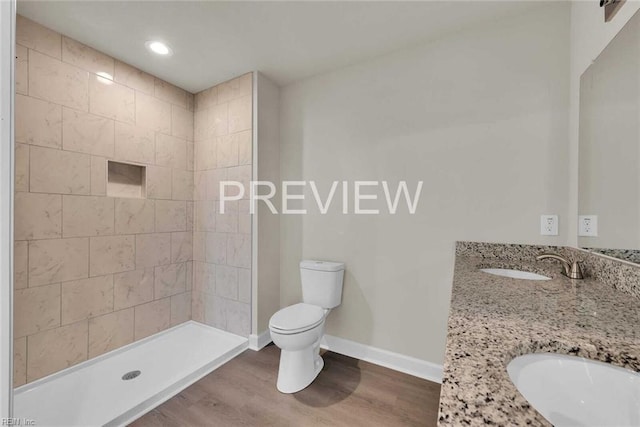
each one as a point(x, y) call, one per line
point(258, 342)
point(398, 362)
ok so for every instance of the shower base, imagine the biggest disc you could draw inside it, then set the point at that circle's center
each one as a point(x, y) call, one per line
point(94, 393)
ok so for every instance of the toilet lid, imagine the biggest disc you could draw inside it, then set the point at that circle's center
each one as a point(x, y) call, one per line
point(297, 317)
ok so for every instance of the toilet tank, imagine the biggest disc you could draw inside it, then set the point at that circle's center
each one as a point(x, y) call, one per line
point(322, 283)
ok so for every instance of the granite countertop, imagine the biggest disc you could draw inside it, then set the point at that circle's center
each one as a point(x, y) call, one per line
point(493, 319)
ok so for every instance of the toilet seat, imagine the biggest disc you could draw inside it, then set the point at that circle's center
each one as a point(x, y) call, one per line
point(296, 318)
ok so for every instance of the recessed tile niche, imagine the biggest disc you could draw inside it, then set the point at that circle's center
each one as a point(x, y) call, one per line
point(126, 180)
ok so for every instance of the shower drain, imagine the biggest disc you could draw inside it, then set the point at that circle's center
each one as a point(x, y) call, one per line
point(130, 375)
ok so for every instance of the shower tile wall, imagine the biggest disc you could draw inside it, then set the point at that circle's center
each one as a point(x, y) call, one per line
point(93, 273)
point(222, 242)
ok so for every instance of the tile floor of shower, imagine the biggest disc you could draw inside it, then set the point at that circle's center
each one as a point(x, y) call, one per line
point(95, 393)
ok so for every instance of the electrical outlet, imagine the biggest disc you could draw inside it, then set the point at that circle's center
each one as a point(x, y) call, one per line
point(588, 225)
point(549, 225)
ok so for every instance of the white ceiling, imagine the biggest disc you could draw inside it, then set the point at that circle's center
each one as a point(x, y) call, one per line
point(287, 41)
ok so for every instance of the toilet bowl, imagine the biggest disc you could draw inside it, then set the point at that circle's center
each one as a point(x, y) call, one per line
point(298, 329)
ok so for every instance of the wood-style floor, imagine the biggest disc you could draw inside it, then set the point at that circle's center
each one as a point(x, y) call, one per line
point(348, 392)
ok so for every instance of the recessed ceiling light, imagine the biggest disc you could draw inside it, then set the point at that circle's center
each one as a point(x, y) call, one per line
point(158, 48)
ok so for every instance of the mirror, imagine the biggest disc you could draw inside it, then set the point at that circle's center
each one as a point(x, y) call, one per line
point(609, 152)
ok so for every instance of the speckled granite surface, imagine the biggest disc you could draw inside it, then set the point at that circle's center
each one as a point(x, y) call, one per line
point(494, 319)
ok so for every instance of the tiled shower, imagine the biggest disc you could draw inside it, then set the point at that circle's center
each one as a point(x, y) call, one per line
point(117, 233)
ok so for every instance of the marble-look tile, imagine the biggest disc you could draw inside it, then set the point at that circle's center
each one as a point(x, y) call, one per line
point(197, 307)
point(132, 288)
point(239, 250)
point(241, 174)
point(206, 98)
point(244, 285)
point(227, 151)
point(58, 260)
point(214, 311)
point(133, 78)
point(170, 93)
point(134, 216)
point(216, 249)
point(22, 70)
point(235, 88)
point(244, 222)
point(54, 350)
point(170, 280)
point(204, 277)
point(189, 275)
point(86, 298)
point(205, 154)
point(201, 125)
point(21, 177)
point(191, 102)
point(111, 254)
point(191, 161)
point(38, 122)
point(227, 222)
point(111, 100)
point(134, 143)
point(199, 185)
point(38, 216)
point(80, 55)
point(238, 318)
point(180, 308)
point(87, 216)
point(181, 123)
point(98, 176)
point(158, 182)
point(227, 282)
point(34, 36)
point(182, 185)
point(245, 147)
point(171, 151)
point(58, 82)
point(171, 215)
point(199, 245)
point(240, 114)
point(181, 246)
point(110, 331)
point(218, 120)
point(153, 249)
point(152, 317)
point(205, 216)
point(20, 264)
point(190, 215)
point(153, 113)
point(19, 361)
point(57, 171)
point(36, 309)
point(214, 177)
point(87, 133)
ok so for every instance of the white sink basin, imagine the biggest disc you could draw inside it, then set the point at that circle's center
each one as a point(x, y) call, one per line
point(515, 274)
point(573, 391)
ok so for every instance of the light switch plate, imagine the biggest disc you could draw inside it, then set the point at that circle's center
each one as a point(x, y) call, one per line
point(588, 225)
point(549, 225)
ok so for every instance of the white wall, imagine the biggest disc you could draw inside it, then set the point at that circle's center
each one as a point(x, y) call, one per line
point(480, 117)
point(266, 231)
point(589, 36)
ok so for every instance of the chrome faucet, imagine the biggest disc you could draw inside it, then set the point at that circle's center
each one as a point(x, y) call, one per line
point(571, 269)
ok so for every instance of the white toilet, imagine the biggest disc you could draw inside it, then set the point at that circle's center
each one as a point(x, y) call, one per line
point(297, 329)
